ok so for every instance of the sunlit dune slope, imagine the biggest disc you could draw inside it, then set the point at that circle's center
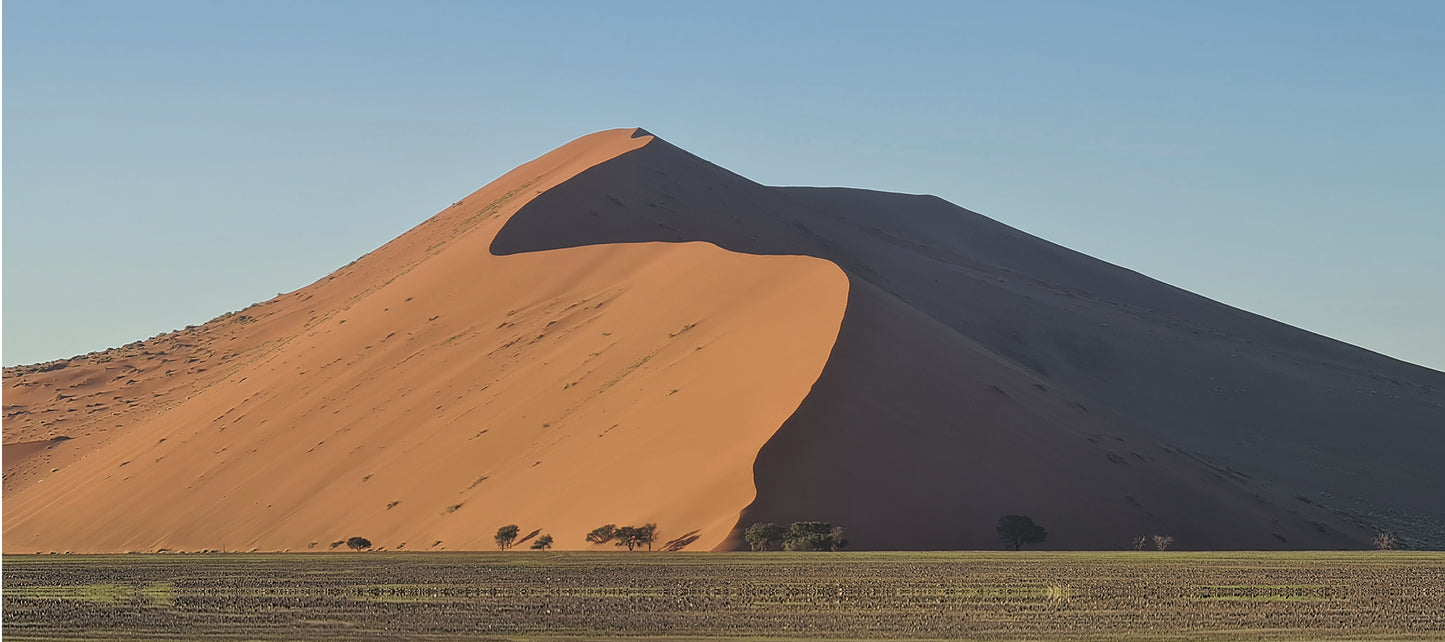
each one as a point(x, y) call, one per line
point(431, 392)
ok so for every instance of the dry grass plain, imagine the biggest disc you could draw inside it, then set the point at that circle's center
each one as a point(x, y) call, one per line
point(524, 595)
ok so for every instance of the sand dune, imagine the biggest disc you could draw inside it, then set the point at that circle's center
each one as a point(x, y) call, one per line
point(982, 371)
point(622, 332)
point(432, 392)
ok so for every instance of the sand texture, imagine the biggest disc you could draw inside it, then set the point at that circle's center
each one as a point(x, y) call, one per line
point(621, 332)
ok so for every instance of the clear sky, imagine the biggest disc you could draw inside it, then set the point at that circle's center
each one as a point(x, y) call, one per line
point(165, 162)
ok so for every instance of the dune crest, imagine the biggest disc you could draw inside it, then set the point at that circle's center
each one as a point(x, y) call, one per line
point(981, 371)
point(622, 332)
point(431, 392)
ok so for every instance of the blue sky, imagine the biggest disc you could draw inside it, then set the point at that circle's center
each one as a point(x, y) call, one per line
point(165, 162)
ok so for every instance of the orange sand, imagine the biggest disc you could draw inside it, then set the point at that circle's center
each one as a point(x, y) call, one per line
point(431, 392)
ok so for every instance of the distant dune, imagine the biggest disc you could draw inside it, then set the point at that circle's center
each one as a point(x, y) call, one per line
point(621, 332)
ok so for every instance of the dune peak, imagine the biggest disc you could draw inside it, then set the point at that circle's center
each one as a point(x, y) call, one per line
point(621, 332)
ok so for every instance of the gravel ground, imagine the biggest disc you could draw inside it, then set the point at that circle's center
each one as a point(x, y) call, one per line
point(1029, 595)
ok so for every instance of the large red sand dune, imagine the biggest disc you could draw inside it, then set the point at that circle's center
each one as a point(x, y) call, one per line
point(620, 332)
point(431, 392)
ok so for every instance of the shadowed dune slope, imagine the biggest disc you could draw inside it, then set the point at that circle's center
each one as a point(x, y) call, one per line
point(982, 371)
point(431, 392)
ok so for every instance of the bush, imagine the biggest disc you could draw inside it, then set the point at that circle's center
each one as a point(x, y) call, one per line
point(1140, 542)
point(543, 543)
point(1163, 542)
point(357, 544)
point(1386, 542)
point(765, 536)
point(506, 535)
point(1017, 530)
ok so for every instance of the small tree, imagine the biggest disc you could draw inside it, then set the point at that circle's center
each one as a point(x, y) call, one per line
point(602, 534)
point(633, 537)
point(765, 536)
point(626, 536)
point(1163, 542)
point(1140, 542)
point(646, 534)
point(543, 543)
point(1386, 541)
point(358, 543)
point(506, 535)
point(840, 538)
point(1017, 530)
point(809, 536)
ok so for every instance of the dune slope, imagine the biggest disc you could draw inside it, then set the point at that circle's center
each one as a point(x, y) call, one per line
point(622, 332)
point(432, 392)
point(983, 371)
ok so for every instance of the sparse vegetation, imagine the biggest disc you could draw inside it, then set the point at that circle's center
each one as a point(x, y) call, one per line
point(357, 544)
point(1163, 542)
point(765, 536)
point(506, 535)
point(799, 536)
point(543, 543)
point(1386, 541)
point(1018, 530)
point(1140, 542)
point(977, 595)
point(634, 537)
point(814, 536)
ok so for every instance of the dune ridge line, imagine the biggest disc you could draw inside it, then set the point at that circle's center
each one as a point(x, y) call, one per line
point(431, 391)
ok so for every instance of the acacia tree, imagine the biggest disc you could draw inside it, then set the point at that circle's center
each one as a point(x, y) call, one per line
point(506, 535)
point(358, 543)
point(634, 536)
point(1162, 542)
point(602, 534)
point(765, 536)
point(1017, 530)
point(647, 534)
point(813, 536)
point(626, 536)
point(543, 543)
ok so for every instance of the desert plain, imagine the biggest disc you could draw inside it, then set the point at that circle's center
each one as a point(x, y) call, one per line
point(571, 595)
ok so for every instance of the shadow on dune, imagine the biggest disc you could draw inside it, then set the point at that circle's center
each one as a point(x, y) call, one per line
point(680, 543)
point(980, 371)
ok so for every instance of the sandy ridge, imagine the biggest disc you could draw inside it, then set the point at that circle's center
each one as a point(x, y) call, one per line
point(431, 391)
point(622, 332)
point(982, 371)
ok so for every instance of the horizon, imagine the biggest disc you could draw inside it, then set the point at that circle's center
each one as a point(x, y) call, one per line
point(187, 161)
